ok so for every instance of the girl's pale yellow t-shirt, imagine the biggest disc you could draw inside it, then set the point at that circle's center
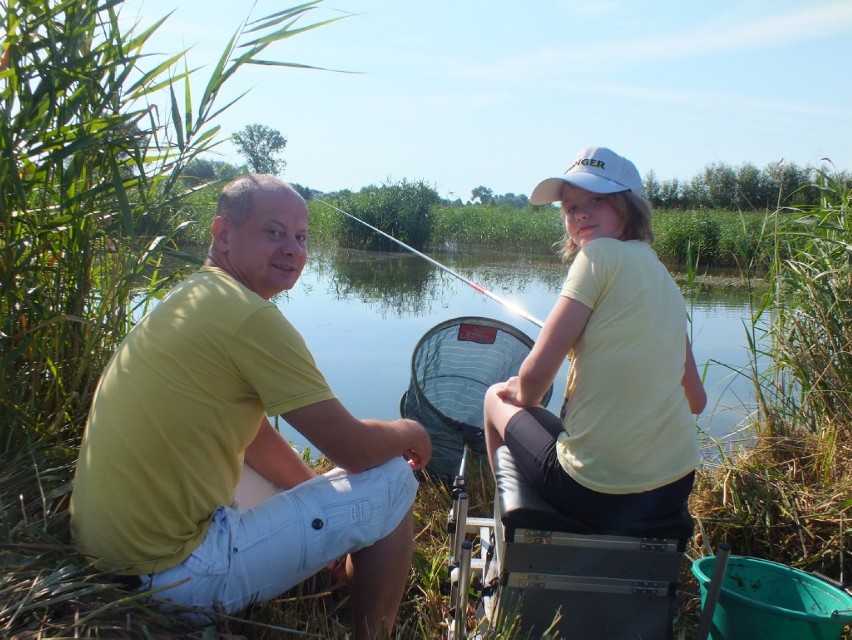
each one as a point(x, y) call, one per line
point(628, 426)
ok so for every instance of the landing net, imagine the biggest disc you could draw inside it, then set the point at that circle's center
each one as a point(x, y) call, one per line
point(451, 369)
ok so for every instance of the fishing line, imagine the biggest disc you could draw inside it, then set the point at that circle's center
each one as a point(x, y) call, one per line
point(477, 287)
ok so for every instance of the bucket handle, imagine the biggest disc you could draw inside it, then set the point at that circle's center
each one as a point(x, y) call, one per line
point(832, 582)
point(837, 613)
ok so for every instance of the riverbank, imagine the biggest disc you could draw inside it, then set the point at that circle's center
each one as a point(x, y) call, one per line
point(786, 498)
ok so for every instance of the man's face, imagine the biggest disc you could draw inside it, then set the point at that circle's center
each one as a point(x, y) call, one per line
point(266, 251)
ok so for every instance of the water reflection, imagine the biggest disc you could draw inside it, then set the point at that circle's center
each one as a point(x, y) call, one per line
point(385, 281)
point(362, 313)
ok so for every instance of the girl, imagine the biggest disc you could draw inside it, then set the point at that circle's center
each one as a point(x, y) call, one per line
point(625, 447)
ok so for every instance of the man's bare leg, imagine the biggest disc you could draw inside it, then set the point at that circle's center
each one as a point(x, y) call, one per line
point(377, 578)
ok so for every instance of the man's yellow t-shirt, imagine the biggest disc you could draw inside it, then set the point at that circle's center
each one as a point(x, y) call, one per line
point(176, 406)
point(628, 427)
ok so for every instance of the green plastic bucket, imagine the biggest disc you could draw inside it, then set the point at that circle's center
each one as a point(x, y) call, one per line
point(762, 600)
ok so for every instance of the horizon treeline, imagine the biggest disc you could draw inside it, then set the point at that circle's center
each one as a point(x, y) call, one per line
point(744, 187)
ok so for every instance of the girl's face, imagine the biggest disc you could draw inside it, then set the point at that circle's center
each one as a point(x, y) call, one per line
point(589, 216)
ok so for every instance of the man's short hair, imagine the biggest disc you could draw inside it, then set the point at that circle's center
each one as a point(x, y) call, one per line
point(237, 197)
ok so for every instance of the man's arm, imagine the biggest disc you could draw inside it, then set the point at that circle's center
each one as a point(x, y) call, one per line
point(272, 457)
point(356, 445)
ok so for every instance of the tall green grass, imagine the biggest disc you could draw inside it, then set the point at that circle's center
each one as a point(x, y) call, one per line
point(496, 227)
point(788, 496)
point(808, 314)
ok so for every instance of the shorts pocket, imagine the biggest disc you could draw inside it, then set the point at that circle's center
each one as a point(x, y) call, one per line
point(212, 556)
point(343, 516)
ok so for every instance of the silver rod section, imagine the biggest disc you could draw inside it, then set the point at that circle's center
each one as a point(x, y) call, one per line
point(460, 478)
point(463, 588)
point(479, 288)
point(713, 589)
point(461, 527)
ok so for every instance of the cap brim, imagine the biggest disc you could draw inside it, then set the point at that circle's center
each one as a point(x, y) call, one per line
point(550, 190)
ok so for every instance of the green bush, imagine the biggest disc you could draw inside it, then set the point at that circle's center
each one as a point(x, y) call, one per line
point(400, 210)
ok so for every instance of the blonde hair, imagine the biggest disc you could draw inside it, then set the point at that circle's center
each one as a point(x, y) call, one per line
point(635, 214)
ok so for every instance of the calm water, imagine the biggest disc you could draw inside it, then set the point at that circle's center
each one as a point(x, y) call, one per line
point(362, 314)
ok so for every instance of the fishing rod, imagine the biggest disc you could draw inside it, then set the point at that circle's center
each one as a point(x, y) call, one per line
point(476, 287)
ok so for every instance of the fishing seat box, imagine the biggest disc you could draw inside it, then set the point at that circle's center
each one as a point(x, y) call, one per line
point(606, 585)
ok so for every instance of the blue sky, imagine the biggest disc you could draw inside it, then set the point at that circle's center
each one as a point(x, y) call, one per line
point(502, 93)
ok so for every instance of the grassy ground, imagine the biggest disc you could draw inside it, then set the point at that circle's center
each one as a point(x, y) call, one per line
point(765, 502)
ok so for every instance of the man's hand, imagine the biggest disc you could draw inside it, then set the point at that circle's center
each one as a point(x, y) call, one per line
point(420, 454)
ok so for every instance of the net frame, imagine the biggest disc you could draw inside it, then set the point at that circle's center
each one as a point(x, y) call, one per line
point(452, 366)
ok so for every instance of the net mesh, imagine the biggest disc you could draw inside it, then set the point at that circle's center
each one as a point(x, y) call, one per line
point(451, 369)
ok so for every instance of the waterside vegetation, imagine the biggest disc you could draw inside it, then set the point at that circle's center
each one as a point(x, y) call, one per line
point(92, 202)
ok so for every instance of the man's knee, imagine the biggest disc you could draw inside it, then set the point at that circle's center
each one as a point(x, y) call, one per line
point(401, 478)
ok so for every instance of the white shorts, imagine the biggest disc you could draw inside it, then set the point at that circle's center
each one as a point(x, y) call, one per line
point(256, 554)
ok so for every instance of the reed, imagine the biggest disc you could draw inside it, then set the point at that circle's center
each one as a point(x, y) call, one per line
point(495, 227)
point(786, 496)
point(713, 237)
point(90, 192)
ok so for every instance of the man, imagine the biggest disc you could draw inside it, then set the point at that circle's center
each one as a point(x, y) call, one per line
point(182, 406)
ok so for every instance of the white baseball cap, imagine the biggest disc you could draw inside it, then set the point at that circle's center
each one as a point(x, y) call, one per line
point(595, 169)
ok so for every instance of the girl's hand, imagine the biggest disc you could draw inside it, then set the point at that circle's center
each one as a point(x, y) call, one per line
point(510, 391)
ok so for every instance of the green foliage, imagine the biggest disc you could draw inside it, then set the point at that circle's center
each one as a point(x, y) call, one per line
point(200, 170)
point(260, 145)
point(717, 238)
point(324, 223)
point(694, 233)
point(504, 227)
point(743, 188)
point(401, 210)
point(808, 315)
point(90, 192)
point(785, 496)
point(199, 206)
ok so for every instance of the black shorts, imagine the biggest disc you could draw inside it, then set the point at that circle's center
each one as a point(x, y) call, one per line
point(531, 437)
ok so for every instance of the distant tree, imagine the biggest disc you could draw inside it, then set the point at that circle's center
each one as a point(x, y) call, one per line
point(483, 194)
point(721, 185)
point(306, 192)
point(519, 201)
point(695, 194)
point(670, 194)
point(206, 170)
point(748, 188)
point(651, 188)
point(260, 145)
point(784, 184)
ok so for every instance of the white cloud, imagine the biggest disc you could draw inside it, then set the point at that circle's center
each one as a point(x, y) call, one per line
point(731, 33)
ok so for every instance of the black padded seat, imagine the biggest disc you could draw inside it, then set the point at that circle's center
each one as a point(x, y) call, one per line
point(522, 507)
